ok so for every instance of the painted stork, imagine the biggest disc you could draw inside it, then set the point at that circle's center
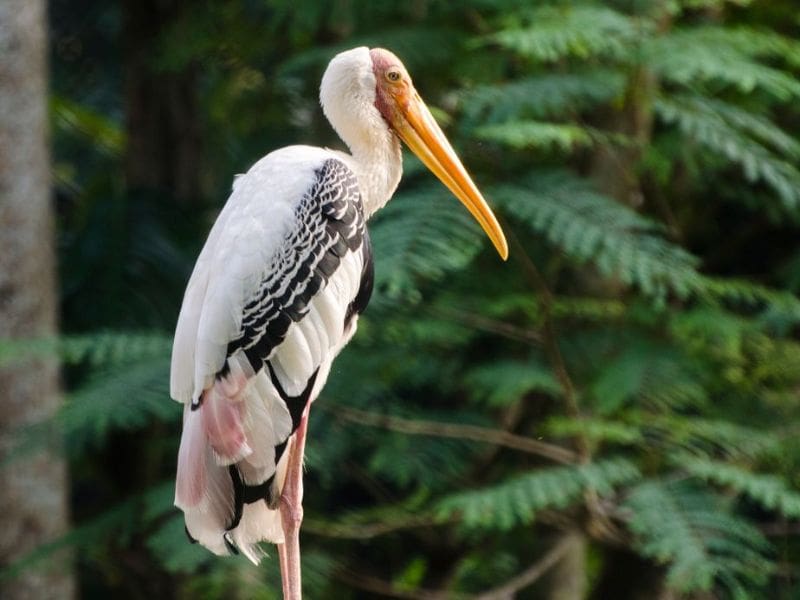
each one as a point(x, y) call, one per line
point(276, 294)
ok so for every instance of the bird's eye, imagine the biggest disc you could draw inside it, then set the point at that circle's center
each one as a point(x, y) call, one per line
point(393, 75)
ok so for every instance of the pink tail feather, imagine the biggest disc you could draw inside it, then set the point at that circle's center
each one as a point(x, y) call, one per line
point(222, 419)
point(238, 425)
point(191, 483)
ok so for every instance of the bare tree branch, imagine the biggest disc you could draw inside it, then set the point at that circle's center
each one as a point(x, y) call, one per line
point(476, 321)
point(530, 575)
point(385, 588)
point(550, 340)
point(600, 524)
point(504, 592)
point(457, 431)
point(365, 531)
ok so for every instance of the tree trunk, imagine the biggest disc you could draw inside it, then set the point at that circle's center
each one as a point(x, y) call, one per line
point(161, 107)
point(625, 575)
point(34, 490)
point(568, 579)
point(615, 169)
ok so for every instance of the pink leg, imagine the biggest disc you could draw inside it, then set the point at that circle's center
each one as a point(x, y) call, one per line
point(292, 515)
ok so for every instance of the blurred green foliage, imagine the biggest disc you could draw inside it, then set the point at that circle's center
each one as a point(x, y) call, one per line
point(632, 373)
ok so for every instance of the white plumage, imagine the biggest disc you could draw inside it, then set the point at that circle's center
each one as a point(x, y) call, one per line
point(250, 230)
point(276, 291)
point(250, 234)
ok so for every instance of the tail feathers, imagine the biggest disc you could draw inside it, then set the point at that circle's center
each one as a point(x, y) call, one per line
point(191, 480)
point(258, 523)
point(205, 521)
point(227, 520)
point(224, 430)
point(223, 413)
point(267, 422)
point(228, 483)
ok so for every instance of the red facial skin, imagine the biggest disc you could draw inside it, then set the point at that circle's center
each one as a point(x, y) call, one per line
point(393, 87)
point(409, 118)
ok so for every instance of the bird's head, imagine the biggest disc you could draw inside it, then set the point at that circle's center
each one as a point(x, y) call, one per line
point(378, 75)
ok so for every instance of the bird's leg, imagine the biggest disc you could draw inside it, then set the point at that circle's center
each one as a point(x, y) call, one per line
point(292, 514)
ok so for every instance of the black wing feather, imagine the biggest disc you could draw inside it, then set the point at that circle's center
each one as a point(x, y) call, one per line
point(331, 224)
point(331, 219)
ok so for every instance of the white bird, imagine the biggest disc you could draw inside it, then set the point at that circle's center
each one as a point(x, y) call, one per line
point(276, 294)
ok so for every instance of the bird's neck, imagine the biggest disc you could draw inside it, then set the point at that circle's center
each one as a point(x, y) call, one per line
point(378, 163)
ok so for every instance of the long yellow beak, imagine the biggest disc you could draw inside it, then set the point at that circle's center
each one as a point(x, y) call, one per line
point(417, 128)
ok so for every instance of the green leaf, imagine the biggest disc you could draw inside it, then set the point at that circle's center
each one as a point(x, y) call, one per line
point(692, 532)
point(581, 31)
point(536, 134)
point(546, 95)
point(771, 491)
point(515, 501)
point(756, 43)
point(690, 57)
point(589, 226)
point(504, 382)
point(596, 430)
point(125, 398)
point(709, 435)
point(736, 135)
point(113, 348)
point(172, 549)
point(419, 237)
point(74, 118)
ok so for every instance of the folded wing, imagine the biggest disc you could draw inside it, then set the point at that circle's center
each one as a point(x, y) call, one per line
point(273, 298)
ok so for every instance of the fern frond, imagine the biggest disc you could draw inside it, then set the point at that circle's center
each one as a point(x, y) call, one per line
point(124, 398)
point(581, 31)
point(620, 379)
point(712, 4)
point(646, 372)
point(750, 355)
point(726, 130)
point(770, 491)
point(538, 135)
point(779, 308)
point(595, 430)
point(746, 121)
point(691, 531)
point(589, 226)
point(76, 118)
point(168, 544)
point(516, 501)
point(687, 57)
point(588, 309)
point(418, 237)
point(109, 348)
point(412, 43)
point(710, 436)
point(115, 523)
point(103, 348)
point(19, 350)
point(708, 326)
point(430, 462)
point(672, 384)
point(756, 43)
point(545, 96)
point(504, 382)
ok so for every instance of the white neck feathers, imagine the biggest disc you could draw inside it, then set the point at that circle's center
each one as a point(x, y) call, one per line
point(347, 95)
